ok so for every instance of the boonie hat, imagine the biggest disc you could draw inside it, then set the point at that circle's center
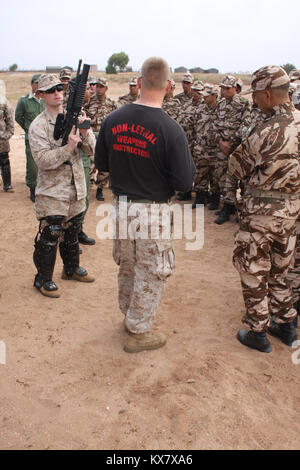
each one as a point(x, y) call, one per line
point(133, 81)
point(188, 77)
point(65, 73)
point(294, 75)
point(47, 81)
point(229, 81)
point(102, 81)
point(209, 89)
point(198, 86)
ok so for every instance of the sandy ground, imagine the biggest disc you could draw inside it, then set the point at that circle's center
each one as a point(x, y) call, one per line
point(67, 384)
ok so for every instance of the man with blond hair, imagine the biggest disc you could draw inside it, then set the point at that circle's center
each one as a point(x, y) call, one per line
point(148, 159)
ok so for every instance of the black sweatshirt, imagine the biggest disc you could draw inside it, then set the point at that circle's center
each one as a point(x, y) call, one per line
point(146, 153)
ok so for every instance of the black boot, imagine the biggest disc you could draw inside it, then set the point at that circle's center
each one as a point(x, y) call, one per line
point(32, 194)
point(6, 177)
point(225, 213)
point(99, 194)
point(286, 332)
point(84, 239)
point(254, 340)
point(184, 196)
point(215, 201)
point(44, 259)
point(200, 198)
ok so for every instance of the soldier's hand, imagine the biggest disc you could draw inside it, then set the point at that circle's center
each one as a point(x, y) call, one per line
point(73, 140)
point(81, 119)
point(226, 147)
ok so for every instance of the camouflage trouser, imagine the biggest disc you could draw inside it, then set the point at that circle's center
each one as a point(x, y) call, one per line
point(264, 247)
point(31, 168)
point(144, 266)
point(294, 272)
point(230, 189)
point(210, 171)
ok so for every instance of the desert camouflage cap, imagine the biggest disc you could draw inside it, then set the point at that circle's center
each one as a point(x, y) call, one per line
point(270, 76)
point(133, 81)
point(47, 81)
point(65, 73)
point(239, 83)
point(35, 78)
point(102, 81)
point(92, 80)
point(296, 96)
point(292, 88)
point(198, 86)
point(229, 81)
point(209, 89)
point(187, 77)
point(294, 75)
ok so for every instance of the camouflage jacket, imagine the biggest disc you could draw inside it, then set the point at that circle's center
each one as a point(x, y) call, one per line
point(183, 98)
point(6, 124)
point(97, 110)
point(268, 160)
point(186, 119)
point(125, 99)
point(203, 131)
point(232, 118)
point(171, 107)
point(66, 94)
point(54, 176)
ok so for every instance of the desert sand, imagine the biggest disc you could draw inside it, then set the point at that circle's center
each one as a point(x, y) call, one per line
point(68, 384)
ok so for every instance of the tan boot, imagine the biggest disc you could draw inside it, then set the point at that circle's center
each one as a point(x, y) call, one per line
point(80, 275)
point(144, 341)
point(48, 293)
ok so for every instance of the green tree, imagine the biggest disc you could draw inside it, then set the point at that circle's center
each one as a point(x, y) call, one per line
point(13, 67)
point(117, 63)
point(288, 67)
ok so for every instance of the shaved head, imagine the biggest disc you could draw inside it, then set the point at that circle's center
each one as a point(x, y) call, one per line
point(155, 73)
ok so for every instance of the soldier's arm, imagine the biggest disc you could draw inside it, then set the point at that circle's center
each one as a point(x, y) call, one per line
point(20, 113)
point(242, 161)
point(45, 157)
point(88, 143)
point(9, 121)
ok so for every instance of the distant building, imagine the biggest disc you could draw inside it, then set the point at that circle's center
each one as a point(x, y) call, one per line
point(181, 70)
point(57, 69)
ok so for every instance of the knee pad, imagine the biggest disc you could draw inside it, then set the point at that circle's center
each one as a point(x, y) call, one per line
point(71, 233)
point(51, 232)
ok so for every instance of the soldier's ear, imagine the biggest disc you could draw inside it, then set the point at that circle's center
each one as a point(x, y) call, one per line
point(139, 82)
point(168, 87)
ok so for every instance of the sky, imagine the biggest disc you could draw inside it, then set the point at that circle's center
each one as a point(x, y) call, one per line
point(230, 35)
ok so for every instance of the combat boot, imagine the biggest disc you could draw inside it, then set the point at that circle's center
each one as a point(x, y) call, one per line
point(6, 177)
point(80, 275)
point(144, 341)
point(254, 340)
point(297, 308)
point(225, 213)
point(200, 198)
point(84, 239)
point(99, 194)
point(286, 332)
point(215, 201)
point(184, 196)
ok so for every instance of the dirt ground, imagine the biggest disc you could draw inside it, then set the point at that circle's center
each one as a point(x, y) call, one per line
point(67, 384)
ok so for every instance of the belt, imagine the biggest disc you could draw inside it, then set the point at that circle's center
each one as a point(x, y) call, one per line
point(272, 194)
point(146, 201)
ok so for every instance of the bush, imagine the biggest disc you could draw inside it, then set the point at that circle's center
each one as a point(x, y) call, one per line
point(13, 67)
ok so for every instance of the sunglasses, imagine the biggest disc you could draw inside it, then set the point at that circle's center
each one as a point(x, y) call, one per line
point(53, 89)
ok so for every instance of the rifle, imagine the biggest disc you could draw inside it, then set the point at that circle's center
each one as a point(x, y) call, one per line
point(64, 123)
